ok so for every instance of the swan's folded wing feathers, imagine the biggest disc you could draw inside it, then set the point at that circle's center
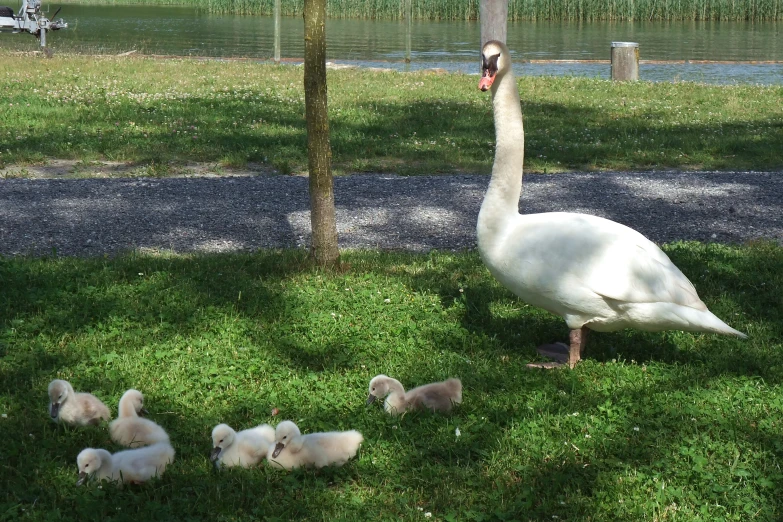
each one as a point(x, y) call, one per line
point(640, 272)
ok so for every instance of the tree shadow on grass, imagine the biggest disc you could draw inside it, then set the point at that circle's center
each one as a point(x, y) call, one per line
point(583, 136)
point(515, 422)
point(736, 286)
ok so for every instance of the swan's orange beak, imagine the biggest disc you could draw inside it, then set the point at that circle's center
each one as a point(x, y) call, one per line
point(486, 81)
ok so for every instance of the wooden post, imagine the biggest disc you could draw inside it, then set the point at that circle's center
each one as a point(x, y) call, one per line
point(494, 20)
point(277, 31)
point(408, 26)
point(625, 61)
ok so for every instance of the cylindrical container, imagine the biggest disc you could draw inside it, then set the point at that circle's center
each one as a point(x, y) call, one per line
point(625, 61)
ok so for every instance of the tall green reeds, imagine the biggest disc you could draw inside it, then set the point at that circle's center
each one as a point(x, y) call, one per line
point(587, 10)
point(556, 10)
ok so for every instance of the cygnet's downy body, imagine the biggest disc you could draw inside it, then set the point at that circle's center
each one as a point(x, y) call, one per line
point(132, 466)
point(75, 409)
point(437, 396)
point(132, 430)
point(293, 450)
point(245, 448)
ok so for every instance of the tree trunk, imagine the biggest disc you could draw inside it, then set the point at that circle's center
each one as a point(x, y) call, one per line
point(319, 153)
point(494, 18)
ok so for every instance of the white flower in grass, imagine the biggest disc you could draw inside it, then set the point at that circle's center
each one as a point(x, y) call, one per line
point(456, 432)
point(636, 428)
point(427, 514)
point(387, 300)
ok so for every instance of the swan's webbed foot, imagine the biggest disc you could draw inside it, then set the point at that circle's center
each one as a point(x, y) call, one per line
point(561, 353)
point(558, 352)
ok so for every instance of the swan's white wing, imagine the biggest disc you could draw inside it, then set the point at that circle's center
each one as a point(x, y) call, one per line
point(632, 269)
point(571, 256)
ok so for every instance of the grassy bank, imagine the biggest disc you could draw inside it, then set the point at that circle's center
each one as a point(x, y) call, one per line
point(556, 10)
point(152, 112)
point(665, 426)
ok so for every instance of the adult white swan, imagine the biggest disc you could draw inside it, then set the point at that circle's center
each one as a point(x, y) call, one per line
point(593, 272)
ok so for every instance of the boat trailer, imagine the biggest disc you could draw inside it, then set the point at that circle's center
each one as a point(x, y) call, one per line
point(30, 19)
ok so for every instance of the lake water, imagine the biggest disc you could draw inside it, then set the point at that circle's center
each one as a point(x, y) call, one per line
point(449, 45)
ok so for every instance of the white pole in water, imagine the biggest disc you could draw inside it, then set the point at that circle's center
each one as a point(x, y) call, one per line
point(408, 25)
point(277, 31)
point(625, 61)
point(494, 21)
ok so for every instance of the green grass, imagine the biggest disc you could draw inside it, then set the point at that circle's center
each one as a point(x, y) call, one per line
point(152, 112)
point(664, 426)
point(587, 10)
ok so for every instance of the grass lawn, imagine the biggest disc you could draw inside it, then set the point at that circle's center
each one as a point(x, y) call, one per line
point(163, 113)
point(663, 426)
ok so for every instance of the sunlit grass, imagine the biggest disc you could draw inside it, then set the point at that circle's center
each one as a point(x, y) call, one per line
point(649, 427)
point(144, 110)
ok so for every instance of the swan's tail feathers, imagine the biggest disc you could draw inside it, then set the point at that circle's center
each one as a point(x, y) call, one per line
point(706, 321)
point(736, 333)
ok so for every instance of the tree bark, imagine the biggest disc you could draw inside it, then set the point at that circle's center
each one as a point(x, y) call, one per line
point(494, 21)
point(319, 153)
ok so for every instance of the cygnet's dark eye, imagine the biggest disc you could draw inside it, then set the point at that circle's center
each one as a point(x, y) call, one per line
point(221, 441)
point(373, 389)
point(86, 466)
point(285, 437)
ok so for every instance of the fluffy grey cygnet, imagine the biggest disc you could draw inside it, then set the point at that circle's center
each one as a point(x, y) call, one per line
point(437, 396)
point(75, 409)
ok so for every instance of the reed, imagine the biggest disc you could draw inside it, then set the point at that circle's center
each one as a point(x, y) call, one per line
point(518, 10)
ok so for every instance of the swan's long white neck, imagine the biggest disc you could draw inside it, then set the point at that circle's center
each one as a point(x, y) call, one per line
point(501, 201)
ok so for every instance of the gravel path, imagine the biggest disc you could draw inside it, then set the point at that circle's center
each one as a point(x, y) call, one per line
point(87, 217)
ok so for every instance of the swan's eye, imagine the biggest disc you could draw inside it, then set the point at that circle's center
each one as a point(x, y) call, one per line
point(490, 64)
point(373, 389)
point(221, 441)
point(285, 437)
point(59, 396)
point(86, 466)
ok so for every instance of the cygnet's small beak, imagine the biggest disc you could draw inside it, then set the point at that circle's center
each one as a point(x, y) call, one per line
point(370, 399)
point(82, 478)
point(278, 448)
point(143, 412)
point(215, 453)
point(55, 409)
